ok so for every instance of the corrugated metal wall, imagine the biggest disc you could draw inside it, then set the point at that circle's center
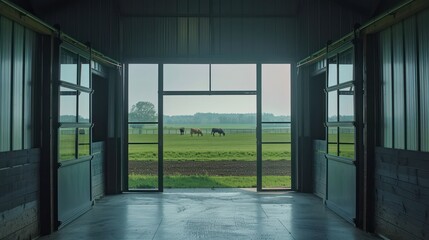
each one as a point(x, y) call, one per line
point(404, 51)
point(412, 124)
point(226, 29)
point(398, 86)
point(5, 81)
point(95, 21)
point(203, 37)
point(322, 20)
point(423, 51)
point(386, 69)
point(17, 45)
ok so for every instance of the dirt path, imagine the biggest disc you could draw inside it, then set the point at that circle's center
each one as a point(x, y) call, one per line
point(216, 168)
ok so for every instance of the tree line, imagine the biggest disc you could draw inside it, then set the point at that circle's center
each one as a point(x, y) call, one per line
point(145, 112)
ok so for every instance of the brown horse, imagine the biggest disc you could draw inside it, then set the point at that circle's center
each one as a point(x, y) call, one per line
point(196, 131)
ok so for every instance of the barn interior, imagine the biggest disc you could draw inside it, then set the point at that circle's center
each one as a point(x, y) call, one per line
point(357, 126)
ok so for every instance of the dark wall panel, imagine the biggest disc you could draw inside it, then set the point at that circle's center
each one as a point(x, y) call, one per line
point(402, 194)
point(319, 168)
point(95, 21)
point(6, 30)
point(242, 38)
point(411, 87)
point(320, 21)
point(398, 86)
point(19, 194)
point(97, 170)
point(423, 39)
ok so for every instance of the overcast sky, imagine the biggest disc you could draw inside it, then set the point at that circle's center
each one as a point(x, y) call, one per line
point(143, 86)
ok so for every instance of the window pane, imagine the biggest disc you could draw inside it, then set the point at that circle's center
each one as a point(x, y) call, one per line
point(84, 142)
point(68, 99)
point(67, 143)
point(186, 77)
point(276, 132)
point(276, 94)
point(332, 71)
point(333, 141)
point(332, 106)
point(143, 92)
point(346, 96)
point(5, 83)
point(84, 107)
point(347, 139)
point(143, 133)
point(233, 76)
point(84, 72)
point(68, 66)
point(346, 66)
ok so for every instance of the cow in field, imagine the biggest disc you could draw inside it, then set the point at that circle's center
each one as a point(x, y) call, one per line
point(182, 130)
point(196, 131)
point(218, 130)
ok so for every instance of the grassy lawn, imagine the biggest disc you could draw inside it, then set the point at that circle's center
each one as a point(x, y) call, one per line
point(208, 148)
point(204, 181)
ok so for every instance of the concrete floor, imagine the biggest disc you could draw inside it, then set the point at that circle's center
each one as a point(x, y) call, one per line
point(210, 214)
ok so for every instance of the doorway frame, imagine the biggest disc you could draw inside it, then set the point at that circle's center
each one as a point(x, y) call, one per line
point(259, 122)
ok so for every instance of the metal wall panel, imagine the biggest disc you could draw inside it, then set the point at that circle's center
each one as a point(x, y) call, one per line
point(5, 82)
point(398, 86)
point(341, 188)
point(386, 71)
point(18, 79)
point(411, 94)
point(423, 39)
point(29, 76)
point(95, 21)
point(320, 21)
point(202, 37)
point(74, 191)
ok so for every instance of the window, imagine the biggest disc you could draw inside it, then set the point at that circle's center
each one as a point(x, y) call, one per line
point(74, 133)
point(340, 105)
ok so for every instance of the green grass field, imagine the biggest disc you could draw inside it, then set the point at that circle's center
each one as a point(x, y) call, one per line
point(236, 146)
point(208, 148)
point(204, 181)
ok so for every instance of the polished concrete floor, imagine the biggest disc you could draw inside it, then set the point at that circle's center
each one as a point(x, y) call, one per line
point(210, 214)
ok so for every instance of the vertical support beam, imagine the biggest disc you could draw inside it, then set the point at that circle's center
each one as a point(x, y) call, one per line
point(359, 116)
point(120, 132)
point(125, 160)
point(371, 110)
point(160, 127)
point(259, 126)
point(292, 125)
point(48, 139)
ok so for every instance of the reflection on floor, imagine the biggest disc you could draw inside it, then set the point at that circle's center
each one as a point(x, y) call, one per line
point(210, 214)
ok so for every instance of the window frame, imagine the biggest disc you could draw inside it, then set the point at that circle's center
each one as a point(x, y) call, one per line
point(77, 125)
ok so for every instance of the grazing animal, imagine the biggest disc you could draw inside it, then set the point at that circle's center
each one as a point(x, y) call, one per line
point(196, 131)
point(182, 130)
point(218, 130)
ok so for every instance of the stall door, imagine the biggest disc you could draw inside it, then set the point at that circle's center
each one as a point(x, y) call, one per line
point(341, 133)
point(74, 136)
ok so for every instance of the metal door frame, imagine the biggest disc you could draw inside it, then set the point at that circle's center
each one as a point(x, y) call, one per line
point(160, 122)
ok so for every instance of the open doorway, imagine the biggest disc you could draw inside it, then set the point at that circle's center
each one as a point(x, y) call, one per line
point(245, 106)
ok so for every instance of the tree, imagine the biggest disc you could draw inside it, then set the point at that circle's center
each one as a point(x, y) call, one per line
point(143, 112)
